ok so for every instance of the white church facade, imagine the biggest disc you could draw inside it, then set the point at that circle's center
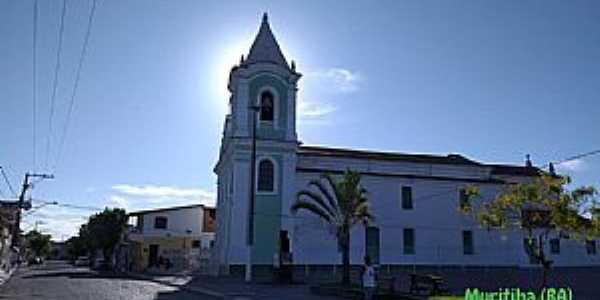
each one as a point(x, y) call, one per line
point(414, 197)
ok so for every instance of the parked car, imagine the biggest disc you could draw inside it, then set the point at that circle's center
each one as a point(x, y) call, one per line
point(36, 260)
point(100, 264)
point(82, 261)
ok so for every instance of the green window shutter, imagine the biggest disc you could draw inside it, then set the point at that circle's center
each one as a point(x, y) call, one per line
point(463, 199)
point(372, 243)
point(409, 241)
point(555, 246)
point(468, 248)
point(407, 202)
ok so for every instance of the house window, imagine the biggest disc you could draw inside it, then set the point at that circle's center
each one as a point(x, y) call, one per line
point(196, 244)
point(463, 199)
point(160, 222)
point(555, 246)
point(266, 176)
point(407, 202)
point(409, 241)
point(266, 106)
point(590, 247)
point(468, 248)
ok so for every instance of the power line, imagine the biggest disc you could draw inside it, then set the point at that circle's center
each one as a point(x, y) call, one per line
point(67, 205)
point(76, 83)
point(579, 156)
point(571, 158)
point(8, 182)
point(55, 82)
point(34, 83)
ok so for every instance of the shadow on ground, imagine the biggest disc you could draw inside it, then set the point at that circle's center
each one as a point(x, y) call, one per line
point(80, 275)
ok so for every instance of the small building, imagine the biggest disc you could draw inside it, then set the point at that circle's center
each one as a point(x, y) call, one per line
point(171, 239)
point(8, 213)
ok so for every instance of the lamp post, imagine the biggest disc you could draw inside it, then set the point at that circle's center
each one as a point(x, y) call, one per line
point(250, 234)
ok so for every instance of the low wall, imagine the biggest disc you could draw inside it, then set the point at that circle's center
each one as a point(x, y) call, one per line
point(584, 281)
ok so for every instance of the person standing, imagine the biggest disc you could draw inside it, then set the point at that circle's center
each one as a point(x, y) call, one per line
point(369, 279)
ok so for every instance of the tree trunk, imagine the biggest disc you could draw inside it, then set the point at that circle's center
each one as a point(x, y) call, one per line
point(546, 264)
point(346, 259)
point(545, 272)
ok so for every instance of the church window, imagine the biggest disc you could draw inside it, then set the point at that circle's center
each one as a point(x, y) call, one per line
point(266, 176)
point(267, 106)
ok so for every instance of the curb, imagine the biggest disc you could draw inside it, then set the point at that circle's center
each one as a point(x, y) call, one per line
point(204, 291)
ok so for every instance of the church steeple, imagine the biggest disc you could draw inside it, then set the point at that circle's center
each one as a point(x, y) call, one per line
point(265, 48)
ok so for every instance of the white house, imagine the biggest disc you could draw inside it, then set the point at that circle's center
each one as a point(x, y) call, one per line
point(183, 234)
point(414, 196)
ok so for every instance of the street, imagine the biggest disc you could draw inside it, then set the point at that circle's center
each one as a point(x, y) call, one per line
point(61, 281)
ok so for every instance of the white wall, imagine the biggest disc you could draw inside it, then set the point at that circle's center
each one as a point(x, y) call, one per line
point(437, 223)
point(179, 221)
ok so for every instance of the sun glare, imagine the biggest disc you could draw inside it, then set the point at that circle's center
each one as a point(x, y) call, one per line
point(228, 56)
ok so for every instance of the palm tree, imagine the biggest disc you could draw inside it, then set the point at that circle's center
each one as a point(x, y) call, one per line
point(342, 204)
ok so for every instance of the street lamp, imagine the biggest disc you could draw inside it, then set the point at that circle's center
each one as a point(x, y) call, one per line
point(250, 234)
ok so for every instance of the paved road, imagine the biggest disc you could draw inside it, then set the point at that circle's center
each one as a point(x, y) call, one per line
point(60, 281)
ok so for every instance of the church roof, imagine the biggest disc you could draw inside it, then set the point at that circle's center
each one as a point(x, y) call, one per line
point(454, 159)
point(451, 159)
point(265, 48)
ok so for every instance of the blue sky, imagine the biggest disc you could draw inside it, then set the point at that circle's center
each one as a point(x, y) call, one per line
point(492, 80)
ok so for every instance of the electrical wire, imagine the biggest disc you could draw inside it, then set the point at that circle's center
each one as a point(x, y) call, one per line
point(55, 81)
point(76, 84)
point(571, 158)
point(34, 83)
point(8, 182)
point(67, 205)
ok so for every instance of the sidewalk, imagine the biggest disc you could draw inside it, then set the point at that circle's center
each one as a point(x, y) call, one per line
point(236, 288)
point(232, 288)
point(181, 281)
point(5, 275)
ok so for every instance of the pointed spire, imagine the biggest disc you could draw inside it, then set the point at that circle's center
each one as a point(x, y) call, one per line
point(265, 48)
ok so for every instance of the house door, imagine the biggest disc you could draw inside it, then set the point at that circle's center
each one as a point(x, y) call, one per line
point(153, 256)
point(372, 244)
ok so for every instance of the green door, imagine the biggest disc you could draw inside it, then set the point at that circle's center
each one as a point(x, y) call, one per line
point(372, 244)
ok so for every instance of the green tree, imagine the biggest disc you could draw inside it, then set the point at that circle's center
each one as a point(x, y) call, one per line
point(75, 247)
point(103, 230)
point(342, 204)
point(543, 209)
point(38, 243)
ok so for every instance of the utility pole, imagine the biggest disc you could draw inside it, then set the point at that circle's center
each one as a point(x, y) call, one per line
point(21, 203)
point(250, 240)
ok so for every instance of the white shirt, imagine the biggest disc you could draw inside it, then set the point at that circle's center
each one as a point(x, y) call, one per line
point(368, 277)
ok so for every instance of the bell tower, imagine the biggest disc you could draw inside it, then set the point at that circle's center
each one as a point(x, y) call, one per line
point(257, 161)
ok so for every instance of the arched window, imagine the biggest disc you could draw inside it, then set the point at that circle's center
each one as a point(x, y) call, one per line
point(267, 106)
point(266, 176)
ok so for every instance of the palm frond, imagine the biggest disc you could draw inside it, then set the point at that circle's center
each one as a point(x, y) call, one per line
point(311, 207)
point(335, 187)
point(325, 192)
point(318, 200)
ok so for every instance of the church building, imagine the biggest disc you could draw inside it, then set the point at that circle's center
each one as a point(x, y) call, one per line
point(413, 196)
